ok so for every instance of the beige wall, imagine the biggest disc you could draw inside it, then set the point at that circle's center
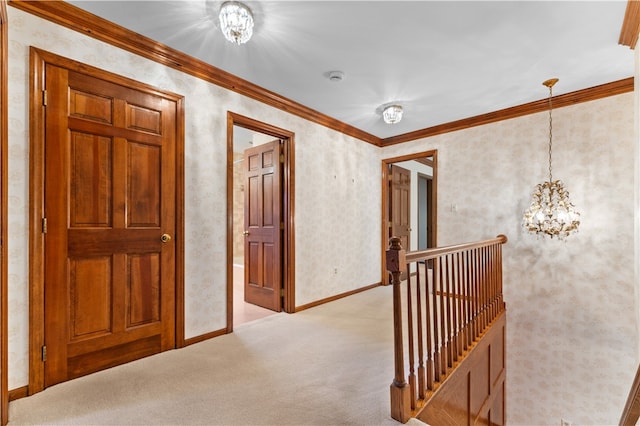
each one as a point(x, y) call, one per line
point(572, 339)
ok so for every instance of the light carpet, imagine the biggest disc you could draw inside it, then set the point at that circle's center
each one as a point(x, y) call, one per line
point(328, 365)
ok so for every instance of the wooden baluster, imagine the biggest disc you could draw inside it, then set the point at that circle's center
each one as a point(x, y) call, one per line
point(435, 316)
point(485, 286)
point(468, 299)
point(429, 323)
point(443, 330)
point(499, 260)
point(410, 336)
point(494, 281)
point(481, 287)
point(421, 373)
point(400, 393)
point(463, 303)
point(458, 307)
point(448, 295)
point(480, 292)
point(476, 294)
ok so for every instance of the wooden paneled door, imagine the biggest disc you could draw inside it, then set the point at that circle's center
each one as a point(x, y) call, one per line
point(263, 226)
point(109, 224)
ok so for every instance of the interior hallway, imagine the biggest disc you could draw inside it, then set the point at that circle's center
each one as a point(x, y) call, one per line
point(328, 365)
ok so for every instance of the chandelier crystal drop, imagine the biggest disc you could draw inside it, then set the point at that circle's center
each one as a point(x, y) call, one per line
point(392, 114)
point(236, 22)
point(551, 212)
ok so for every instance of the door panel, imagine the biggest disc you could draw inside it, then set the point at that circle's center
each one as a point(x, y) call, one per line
point(110, 195)
point(90, 297)
point(263, 234)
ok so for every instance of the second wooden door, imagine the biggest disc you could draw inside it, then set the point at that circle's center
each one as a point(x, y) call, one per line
point(263, 228)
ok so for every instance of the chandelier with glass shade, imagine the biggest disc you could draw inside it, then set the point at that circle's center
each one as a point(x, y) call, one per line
point(551, 212)
point(392, 114)
point(236, 22)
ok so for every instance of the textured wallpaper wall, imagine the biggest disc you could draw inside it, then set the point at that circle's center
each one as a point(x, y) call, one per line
point(337, 187)
point(572, 340)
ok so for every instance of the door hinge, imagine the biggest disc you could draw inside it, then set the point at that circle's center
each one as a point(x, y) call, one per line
point(281, 226)
point(44, 225)
point(44, 353)
point(282, 158)
point(282, 292)
point(44, 97)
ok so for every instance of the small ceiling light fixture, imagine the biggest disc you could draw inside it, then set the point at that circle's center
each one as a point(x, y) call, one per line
point(551, 213)
point(236, 22)
point(392, 114)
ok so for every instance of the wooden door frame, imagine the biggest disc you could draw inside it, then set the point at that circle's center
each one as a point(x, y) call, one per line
point(38, 60)
point(385, 202)
point(4, 126)
point(428, 190)
point(288, 196)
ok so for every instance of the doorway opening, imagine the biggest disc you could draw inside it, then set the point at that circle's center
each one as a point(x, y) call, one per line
point(409, 202)
point(260, 220)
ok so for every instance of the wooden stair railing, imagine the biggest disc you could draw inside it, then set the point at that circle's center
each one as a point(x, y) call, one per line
point(452, 295)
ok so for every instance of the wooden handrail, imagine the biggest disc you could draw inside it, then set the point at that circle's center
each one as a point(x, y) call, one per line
point(432, 253)
point(452, 295)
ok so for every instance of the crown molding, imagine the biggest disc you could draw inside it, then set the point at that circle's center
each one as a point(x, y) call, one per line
point(585, 95)
point(72, 17)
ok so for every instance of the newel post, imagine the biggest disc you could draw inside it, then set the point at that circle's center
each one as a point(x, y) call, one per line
point(400, 395)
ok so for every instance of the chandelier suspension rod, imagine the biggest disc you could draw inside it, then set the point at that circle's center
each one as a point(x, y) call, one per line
point(549, 83)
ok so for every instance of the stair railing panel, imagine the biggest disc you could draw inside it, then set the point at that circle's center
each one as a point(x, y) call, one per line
point(451, 295)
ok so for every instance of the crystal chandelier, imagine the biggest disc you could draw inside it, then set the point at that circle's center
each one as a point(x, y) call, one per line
point(236, 22)
point(392, 114)
point(551, 212)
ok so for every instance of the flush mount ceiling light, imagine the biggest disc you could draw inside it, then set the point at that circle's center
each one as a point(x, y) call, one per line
point(236, 22)
point(392, 114)
point(551, 212)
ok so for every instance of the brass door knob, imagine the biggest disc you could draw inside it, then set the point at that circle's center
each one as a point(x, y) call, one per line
point(165, 238)
point(245, 233)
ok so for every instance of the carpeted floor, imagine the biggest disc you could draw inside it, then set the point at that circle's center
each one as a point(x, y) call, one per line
point(329, 365)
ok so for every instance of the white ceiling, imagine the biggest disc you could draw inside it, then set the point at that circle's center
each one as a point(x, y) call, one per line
point(442, 60)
